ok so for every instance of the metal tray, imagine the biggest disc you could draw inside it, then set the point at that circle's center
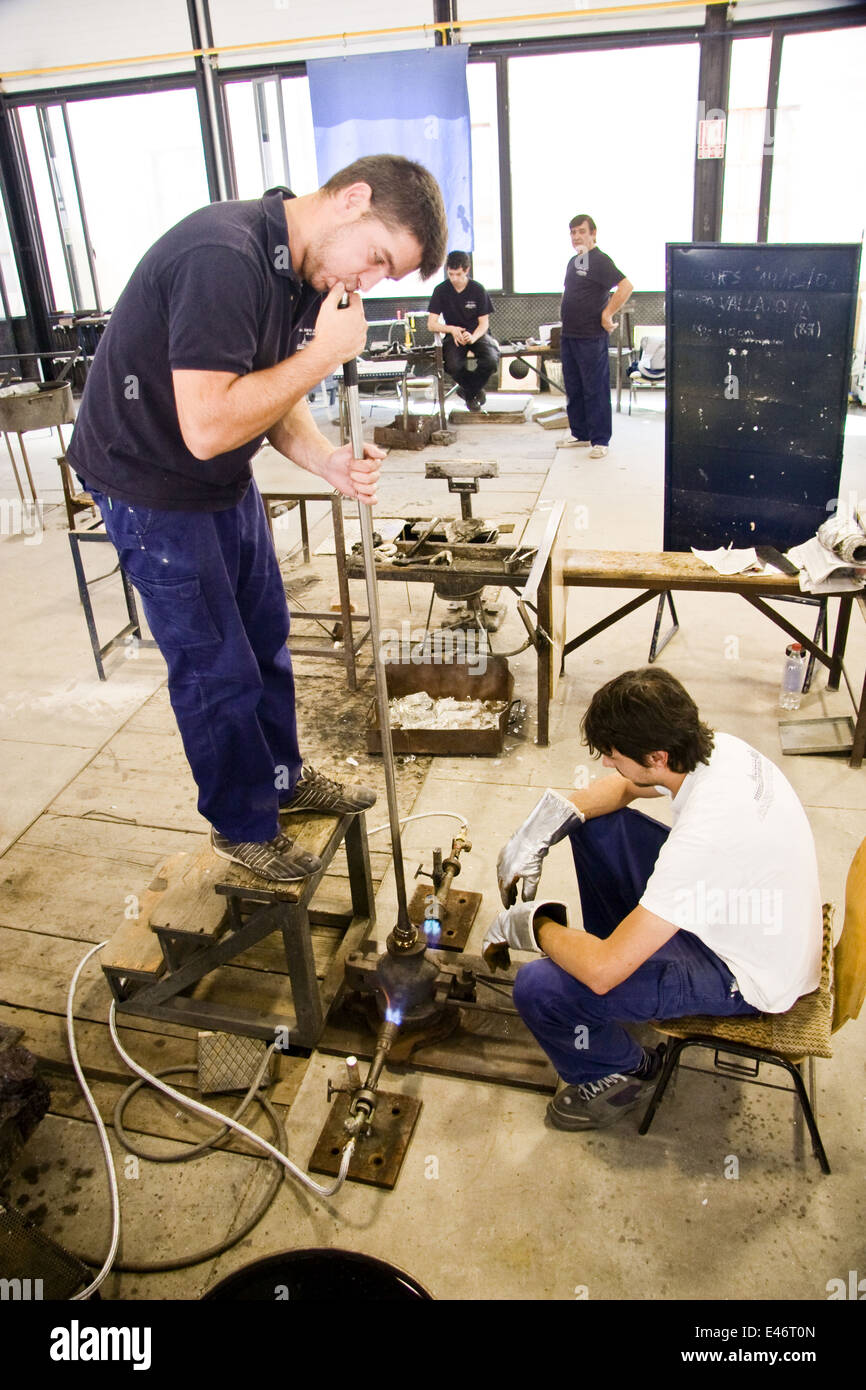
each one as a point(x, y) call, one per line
point(446, 678)
point(50, 405)
point(831, 735)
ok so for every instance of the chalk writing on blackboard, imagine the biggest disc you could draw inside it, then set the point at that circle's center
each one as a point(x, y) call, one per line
point(781, 278)
point(758, 338)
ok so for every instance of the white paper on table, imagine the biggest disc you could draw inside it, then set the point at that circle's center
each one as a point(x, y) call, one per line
point(822, 571)
point(727, 561)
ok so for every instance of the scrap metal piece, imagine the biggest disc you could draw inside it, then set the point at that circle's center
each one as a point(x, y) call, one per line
point(462, 531)
point(461, 468)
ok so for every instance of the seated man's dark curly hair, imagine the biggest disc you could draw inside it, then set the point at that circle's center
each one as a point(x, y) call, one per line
point(647, 711)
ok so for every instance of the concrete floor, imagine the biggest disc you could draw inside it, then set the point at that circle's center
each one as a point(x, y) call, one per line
point(490, 1204)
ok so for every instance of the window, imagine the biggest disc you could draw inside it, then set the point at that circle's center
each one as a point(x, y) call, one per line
point(13, 301)
point(610, 133)
point(141, 166)
point(271, 128)
point(819, 162)
point(487, 256)
point(748, 130)
point(55, 198)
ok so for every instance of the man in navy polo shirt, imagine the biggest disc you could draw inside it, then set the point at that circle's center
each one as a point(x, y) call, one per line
point(465, 306)
point(226, 324)
point(594, 289)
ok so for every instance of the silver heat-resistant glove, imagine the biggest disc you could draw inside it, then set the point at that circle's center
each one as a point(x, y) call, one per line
point(547, 824)
point(516, 928)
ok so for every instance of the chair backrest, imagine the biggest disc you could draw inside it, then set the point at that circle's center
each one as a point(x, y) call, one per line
point(849, 957)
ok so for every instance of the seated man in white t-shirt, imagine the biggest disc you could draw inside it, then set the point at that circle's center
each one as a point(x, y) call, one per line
point(720, 915)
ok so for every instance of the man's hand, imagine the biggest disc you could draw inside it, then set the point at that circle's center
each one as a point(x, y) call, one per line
point(460, 335)
point(548, 823)
point(608, 322)
point(340, 333)
point(354, 477)
point(514, 928)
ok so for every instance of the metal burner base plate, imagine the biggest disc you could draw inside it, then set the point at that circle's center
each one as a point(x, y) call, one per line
point(379, 1155)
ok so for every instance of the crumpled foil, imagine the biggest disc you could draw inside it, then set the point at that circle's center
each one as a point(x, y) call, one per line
point(422, 711)
point(843, 533)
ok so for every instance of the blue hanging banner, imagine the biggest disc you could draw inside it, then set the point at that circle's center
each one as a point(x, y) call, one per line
point(413, 103)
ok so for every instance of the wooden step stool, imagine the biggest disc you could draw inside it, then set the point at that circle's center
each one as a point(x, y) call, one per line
point(201, 911)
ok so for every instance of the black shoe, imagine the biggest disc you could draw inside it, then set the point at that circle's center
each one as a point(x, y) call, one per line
point(481, 397)
point(597, 1104)
point(278, 860)
point(315, 792)
point(473, 404)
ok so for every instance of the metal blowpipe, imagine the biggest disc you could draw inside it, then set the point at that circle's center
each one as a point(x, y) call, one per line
point(365, 512)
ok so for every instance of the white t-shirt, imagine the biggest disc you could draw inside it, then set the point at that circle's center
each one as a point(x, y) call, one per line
point(739, 871)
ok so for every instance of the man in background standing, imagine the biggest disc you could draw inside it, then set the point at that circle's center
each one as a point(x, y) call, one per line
point(594, 289)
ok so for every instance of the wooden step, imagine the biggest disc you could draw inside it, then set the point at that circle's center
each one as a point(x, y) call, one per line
point(190, 905)
point(194, 904)
point(311, 832)
point(134, 950)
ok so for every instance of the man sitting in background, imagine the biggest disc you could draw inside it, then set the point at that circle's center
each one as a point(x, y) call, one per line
point(720, 915)
point(465, 307)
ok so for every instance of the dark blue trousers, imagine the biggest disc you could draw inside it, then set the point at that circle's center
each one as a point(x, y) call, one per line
point(213, 597)
point(486, 353)
point(586, 378)
point(582, 1032)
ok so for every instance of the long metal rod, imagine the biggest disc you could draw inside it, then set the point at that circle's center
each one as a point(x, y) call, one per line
point(365, 512)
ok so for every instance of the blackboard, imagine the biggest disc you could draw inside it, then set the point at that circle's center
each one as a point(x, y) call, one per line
point(759, 342)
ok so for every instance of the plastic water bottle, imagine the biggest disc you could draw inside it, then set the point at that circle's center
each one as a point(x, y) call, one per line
point(792, 677)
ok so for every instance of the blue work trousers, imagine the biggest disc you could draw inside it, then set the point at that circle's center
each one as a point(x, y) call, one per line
point(582, 1032)
point(486, 354)
point(213, 597)
point(586, 378)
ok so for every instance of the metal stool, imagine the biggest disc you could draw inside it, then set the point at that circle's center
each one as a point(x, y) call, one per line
point(131, 629)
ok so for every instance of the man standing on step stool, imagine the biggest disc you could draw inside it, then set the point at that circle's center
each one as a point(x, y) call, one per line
point(202, 359)
point(594, 290)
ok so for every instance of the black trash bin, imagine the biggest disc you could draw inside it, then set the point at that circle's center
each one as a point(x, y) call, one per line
point(317, 1274)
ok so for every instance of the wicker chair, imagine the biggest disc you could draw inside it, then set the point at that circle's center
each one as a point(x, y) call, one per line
point(786, 1040)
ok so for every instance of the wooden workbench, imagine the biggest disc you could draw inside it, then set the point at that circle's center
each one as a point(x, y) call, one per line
point(663, 572)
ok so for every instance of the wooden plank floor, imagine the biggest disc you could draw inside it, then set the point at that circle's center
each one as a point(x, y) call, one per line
point(79, 870)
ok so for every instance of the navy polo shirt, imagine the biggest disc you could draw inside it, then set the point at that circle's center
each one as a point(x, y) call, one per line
point(589, 279)
point(216, 293)
point(461, 310)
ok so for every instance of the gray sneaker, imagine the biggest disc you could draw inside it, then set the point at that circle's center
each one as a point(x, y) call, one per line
point(278, 860)
point(316, 792)
point(596, 1104)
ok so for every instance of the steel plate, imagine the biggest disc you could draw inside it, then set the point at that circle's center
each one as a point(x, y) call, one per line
point(379, 1156)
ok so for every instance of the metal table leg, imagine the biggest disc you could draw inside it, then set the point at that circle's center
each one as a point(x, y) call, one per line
point(14, 468)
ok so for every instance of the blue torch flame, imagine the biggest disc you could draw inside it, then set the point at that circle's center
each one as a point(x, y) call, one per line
point(393, 1015)
point(432, 929)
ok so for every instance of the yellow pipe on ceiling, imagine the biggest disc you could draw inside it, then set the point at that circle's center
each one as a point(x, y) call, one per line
point(217, 49)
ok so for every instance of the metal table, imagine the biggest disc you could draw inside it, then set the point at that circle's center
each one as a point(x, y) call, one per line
point(537, 583)
point(659, 573)
point(279, 480)
point(395, 368)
